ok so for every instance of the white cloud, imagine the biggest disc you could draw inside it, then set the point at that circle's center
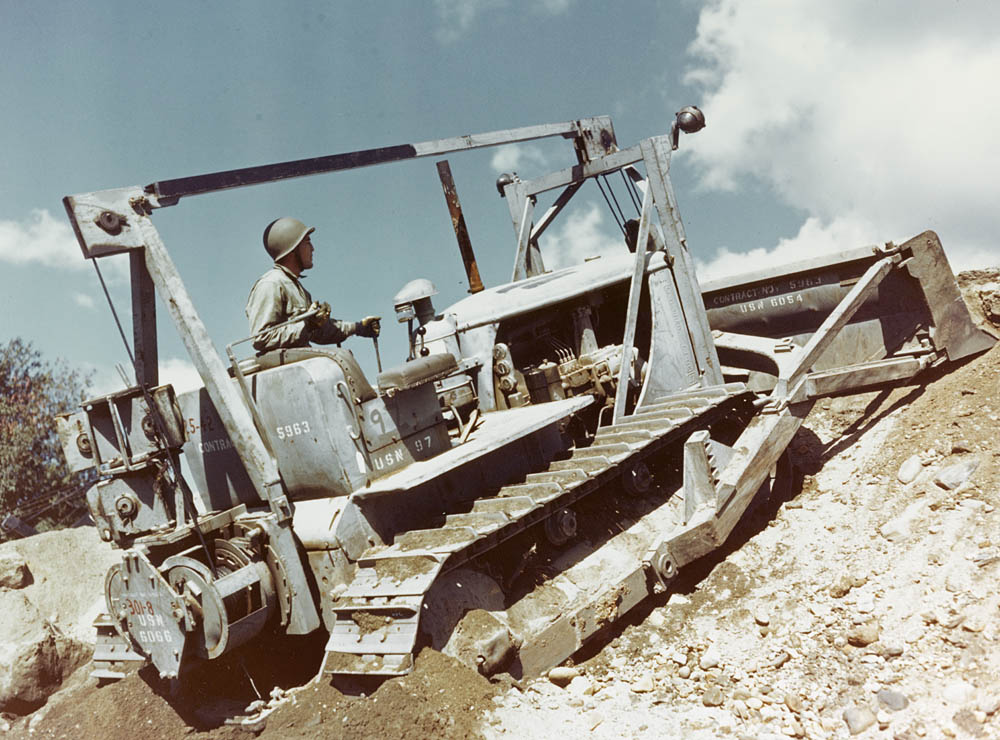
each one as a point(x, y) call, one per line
point(511, 157)
point(174, 370)
point(814, 238)
point(48, 241)
point(870, 117)
point(554, 7)
point(42, 239)
point(180, 373)
point(457, 16)
point(581, 234)
point(83, 300)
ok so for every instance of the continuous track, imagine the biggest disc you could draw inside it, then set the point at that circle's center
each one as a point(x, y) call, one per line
point(377, 617)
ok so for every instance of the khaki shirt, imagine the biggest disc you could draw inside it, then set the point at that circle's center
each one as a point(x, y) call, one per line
point(277, 296)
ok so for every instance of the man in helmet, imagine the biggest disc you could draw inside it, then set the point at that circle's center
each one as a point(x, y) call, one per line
point(278, 295)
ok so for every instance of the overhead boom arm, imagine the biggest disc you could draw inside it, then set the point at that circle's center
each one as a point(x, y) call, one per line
point(594, 137)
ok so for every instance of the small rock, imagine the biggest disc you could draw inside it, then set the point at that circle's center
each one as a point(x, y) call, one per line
point(863, 634)
point(794, 702)
point(709, 659)
point(581, 685)
point(910, 469)
point(892, 648)
point(562, 675)
point(794, 729)
point(13, 570)
point(643, 686)
point(883, 718)
point(893, 700)
point(899, 528)
point(712, 697)
point(656, 618)
point(679, 657)
point(973, 624)
point(684, 672)
point(989, 704)
point(754, 702)
point(958, 692)
point(783, 657)
point(841, 587)
point(761, 615)
point(955, 475)
point(858, 719)
point(966, 719)
point(677, 599)
point(959, 446)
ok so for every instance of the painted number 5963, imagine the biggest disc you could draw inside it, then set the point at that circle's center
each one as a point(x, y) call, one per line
point(292, 430)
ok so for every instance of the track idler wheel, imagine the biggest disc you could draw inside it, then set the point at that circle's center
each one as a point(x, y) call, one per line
point(636, 478)
point(560, 527)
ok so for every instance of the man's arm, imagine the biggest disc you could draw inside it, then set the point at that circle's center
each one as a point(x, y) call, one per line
point(333, 331)
point(267, 307)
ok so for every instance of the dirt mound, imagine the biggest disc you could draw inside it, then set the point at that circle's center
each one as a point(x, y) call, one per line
point(441, 698)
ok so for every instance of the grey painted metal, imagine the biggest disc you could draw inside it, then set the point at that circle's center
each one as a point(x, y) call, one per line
point(554, 210)
point(498, 429)
point(786, 388)
point(632, 310)
point(656, 156)
point(587, 130)
point(953, 331)
point(671, 366)
point(523, 226)
point(578, 173)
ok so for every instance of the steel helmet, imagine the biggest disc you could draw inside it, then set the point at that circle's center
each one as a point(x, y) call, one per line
point(283, 235)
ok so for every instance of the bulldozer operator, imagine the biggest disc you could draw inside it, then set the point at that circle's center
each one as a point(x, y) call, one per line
point(278, 296)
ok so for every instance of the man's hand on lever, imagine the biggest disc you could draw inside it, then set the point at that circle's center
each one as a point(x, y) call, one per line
point(369, 327)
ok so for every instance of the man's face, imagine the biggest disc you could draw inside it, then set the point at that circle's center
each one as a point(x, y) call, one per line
point(305, 250)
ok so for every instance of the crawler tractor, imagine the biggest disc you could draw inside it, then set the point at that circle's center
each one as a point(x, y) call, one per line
point(551, 451)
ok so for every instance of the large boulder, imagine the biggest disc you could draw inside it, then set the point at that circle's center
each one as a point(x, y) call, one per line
point(14, 571)
point(46, 623)
point(34, 656)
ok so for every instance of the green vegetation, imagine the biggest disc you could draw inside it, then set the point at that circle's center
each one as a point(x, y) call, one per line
point(32, 468)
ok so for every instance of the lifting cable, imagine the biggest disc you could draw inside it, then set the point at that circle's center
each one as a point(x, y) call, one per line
point(154, 411)
point(614, 215)
point(632, 191)
point(611, 190)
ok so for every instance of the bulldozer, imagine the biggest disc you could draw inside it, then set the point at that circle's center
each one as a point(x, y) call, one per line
point(551, 452)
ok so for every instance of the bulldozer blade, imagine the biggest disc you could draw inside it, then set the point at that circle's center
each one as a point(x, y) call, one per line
point(908, 316)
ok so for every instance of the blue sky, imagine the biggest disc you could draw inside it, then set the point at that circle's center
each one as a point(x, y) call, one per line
point(830, 125)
